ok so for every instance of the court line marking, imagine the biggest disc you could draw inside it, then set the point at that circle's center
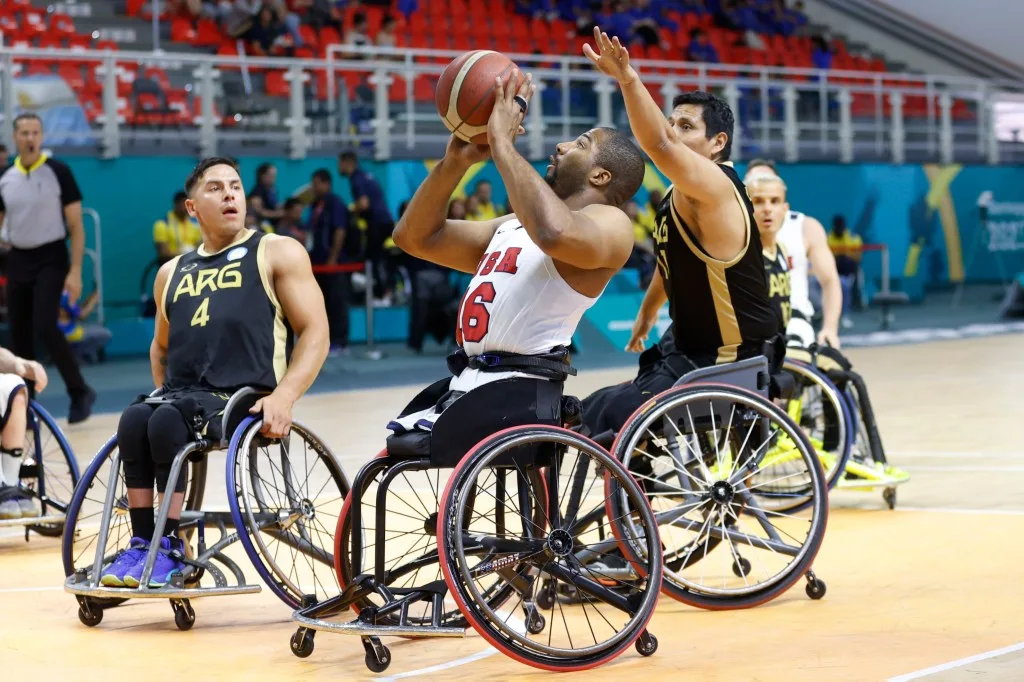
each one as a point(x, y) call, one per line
point(957, 455)
point(47, 588)
point(958, 663)
point(971, 469)
point(516, 622)
point(954, 510)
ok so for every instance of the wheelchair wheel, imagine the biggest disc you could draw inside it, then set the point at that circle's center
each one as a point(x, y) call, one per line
point(823, 412)
point(285, 498)
point(717, 478)
point(487, 533)
point(409, 514)
point(85, 513)
point(49, 469)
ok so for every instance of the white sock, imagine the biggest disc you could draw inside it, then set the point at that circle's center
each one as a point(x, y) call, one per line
point(10, 466)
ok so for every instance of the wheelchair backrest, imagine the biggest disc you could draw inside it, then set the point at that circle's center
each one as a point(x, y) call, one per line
point(751, 374)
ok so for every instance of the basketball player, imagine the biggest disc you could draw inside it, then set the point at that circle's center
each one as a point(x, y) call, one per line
point(537, 270)
point(224, 312)
point(15, 502)
point(768, 195)
point(807, 244)
point(709, 252)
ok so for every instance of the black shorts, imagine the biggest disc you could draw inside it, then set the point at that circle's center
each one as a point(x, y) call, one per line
point(201, 409)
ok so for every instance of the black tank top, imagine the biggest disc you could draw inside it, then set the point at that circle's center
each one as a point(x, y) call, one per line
point(776, 269)
point(720, 310)
point(227, 329)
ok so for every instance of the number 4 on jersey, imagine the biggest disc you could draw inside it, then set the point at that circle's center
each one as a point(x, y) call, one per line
point(202, 314)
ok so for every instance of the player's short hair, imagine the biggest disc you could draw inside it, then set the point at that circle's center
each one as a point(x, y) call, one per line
point(348, 156)
point(717, 115)
point(765, 179)
point(323, 175)
point(767, 163)
point(617, 154)
point(290, 203)
point(206, 164)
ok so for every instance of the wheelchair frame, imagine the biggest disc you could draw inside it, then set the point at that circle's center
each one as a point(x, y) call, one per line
point(83, 582)
point(46, 524)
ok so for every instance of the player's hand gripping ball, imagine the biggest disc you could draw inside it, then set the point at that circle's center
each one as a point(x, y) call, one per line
point(465, 92)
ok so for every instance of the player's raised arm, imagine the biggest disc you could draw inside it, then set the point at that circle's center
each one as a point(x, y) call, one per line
point(693, 174)
point(593, 237)
point(424, 230)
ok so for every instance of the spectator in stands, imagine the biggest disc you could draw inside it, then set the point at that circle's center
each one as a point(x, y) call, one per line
point(472, 207)
point(642, 258)
point(291, 224)
point(328, 225)
point(369, 204)
point(358, 36)
point(323, 13)
point(263, 197)
point(485, 209)
point(234, 16)
point(617, 21)
point(291, 20)
point(821, 54)
point(846, 247)
point(176, 234)
point(585, 22)
point(700, 48)
point(386, 35)
point(432, 297)
point(265, 34)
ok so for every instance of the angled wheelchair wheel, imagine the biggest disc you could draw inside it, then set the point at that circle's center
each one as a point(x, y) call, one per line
point(102, 482)
point(49, 470)
point(488, 534)
point(398, 532)
point(285, 497)
point(823, 412)
point(719, 465)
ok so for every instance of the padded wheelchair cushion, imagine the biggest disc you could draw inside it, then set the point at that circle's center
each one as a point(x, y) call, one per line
point(476, 415)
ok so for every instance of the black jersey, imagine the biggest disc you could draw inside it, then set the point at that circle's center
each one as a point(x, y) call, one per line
point(227, 329)
point(720, 309)
point(776, 269)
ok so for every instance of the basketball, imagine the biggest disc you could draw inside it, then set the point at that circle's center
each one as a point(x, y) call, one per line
point(465, 92)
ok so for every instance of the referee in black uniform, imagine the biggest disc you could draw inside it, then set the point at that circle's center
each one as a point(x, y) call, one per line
point(43, 206)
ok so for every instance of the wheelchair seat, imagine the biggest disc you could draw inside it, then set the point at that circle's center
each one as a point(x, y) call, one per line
point(471, 417)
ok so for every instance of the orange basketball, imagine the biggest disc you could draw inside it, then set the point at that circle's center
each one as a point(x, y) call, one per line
point(465, 92)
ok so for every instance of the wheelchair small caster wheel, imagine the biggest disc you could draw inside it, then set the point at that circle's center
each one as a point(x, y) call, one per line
point(815, 588)
point(378, 657)
point(741, 567)
point(647, 644)
point(535, 623)
point(889, 495)
point(184, 616)
point(90, 616)
point(302, 643)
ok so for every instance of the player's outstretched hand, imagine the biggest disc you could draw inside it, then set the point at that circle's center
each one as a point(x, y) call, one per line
point(277, 415)
point(466, 153)
point(612, 58)
point(641, 328)
point(510, 106)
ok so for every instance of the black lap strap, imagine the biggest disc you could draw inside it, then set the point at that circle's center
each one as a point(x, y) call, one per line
point(554, 365)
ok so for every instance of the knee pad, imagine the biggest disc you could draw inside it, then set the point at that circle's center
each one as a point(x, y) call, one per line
point(167, 435)
point(133, 446)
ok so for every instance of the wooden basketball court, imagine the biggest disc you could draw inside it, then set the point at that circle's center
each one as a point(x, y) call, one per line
point(929, 591)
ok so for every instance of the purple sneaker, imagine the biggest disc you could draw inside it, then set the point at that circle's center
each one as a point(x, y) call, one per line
point(114, 574)
point(168, 562)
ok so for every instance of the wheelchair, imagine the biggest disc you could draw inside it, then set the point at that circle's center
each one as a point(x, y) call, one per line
point(723, 467)
point(283, 503)
point(863, 467)
point(460, 527)
point(49, 472)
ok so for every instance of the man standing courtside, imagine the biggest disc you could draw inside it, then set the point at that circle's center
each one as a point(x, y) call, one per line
point(43, 207)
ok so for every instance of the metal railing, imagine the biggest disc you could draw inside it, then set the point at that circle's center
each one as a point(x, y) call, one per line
point(791, 113)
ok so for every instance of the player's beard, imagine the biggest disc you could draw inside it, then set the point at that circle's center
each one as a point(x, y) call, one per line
point(565, 180)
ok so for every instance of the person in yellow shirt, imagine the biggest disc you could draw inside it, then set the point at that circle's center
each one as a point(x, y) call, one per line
point(485, 204)
point(847, 249)
point(177, 233)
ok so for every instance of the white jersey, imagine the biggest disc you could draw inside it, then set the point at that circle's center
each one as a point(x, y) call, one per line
point(517, 302)
point(791, 236)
